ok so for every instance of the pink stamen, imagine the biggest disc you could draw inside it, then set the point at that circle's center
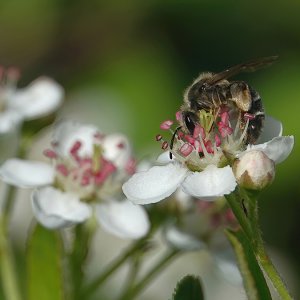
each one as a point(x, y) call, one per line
point(166, 124)
point(107, 169)
point(164, 145)
point(186, 149)
point(224, 130)
point(158, 137)
point(180, 135)
point(217, 140)
point(189, 139)
point(199, 130)
point(62, 169)
point(225, 118)
point(50, 153)
point(209, 147)
point(86, 179)
point(178, 116)
point(130, 167)
point(74, 150)
point(198, 147)
point(121, 145)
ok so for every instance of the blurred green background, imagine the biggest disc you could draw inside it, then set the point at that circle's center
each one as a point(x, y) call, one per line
point(137, 57)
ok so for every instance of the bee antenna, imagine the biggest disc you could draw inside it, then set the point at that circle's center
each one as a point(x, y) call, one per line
point(172, 140)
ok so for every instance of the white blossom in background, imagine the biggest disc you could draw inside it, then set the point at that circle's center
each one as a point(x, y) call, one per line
point(84, 176)
point(199, 226)
point(40, 98)
point(201, 164)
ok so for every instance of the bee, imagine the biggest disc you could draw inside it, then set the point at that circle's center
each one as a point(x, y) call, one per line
point(211, 91)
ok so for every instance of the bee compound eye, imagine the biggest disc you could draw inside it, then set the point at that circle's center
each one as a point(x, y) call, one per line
point(189, 123)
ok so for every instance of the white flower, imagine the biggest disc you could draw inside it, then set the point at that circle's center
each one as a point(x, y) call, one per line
point(42, 97)
point(86, 166)
point(202, 168)
point(200, 228)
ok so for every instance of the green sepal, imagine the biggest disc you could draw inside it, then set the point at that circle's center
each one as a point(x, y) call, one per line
point(254, 281)
point(188, 288)
point(44, 265)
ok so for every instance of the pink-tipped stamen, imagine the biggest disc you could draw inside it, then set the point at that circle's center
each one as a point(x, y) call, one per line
point(130, 166)
point(50, 153)
point(178, 116)
point(186, 149)
point(158, 137)
point(218, 141)
point(199, 130)
point(62, 169)
point(166, 125)
point(164, 145)
point(189, 139)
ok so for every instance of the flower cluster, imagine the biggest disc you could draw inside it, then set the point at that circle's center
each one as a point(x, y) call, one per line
point(87, 171)
point(201, 163)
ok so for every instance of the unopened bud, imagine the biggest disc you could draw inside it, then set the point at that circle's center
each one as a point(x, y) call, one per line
point(254, 170)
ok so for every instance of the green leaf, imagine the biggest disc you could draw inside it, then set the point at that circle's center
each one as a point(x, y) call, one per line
point(188, 288)
point(253, 278)
point(44, 269)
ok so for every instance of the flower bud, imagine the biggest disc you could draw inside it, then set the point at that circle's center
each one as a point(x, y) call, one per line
point(254, 170)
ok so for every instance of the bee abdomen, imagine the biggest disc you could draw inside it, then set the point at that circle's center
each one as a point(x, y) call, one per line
point(255, 125)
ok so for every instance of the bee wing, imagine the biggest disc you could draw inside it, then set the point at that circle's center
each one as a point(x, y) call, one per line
point(249, 66)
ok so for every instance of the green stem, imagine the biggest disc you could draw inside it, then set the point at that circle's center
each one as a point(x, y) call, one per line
point(83, 237)
point(9, 280)
point(235, 202)
point(9, 202)
point(261, 254)
point(94, 285)
point(159, 266)
point(132, 275)
point(248, 220)
point(273, 274)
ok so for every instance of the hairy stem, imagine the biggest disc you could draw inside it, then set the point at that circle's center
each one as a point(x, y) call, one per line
point(157, 268)
point(8, 275)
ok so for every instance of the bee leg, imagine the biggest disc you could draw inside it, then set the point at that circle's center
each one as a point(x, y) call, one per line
point(172, 141)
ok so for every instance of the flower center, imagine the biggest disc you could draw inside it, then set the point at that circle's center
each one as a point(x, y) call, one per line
point(218, 137)
point(83, 175)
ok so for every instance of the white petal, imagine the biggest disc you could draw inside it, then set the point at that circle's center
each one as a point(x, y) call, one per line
point(182, 240)
point(123, 219)
point(26, 173)
point(164, 158)
point(227, 266)
point(155, 184)
point(56, 209)
point(67, 133)
point(211, 183)
point(117, 149)
point(272, 128)
point(42, 97)
point(10, 120)
point(278, 149)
